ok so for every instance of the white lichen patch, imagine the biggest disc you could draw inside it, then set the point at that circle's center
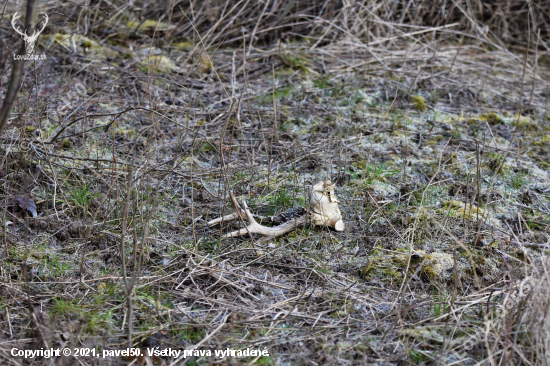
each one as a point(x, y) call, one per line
point(82, 44)
point(382, 189)
point(425, 334)
point(436, 266)
point(442, 264)
point(149, 25)
point(159, 64)
point(490, 268)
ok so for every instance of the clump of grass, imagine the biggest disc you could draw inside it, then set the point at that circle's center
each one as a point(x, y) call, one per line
point(370, 173)
point(297, 62)
point(65, 308)
point(82, 196)
point(496, 162)
point(279, 93)
point(527, 319)
point(418, 357)
point(284, 198)
point(440, 302)
point(322, 83)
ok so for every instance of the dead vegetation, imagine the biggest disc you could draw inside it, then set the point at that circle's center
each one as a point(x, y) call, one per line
point(147, 119)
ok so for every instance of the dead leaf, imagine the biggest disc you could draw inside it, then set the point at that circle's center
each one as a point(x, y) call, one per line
point(26, 203)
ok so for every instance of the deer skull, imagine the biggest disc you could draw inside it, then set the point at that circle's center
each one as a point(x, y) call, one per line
point(323, 211)
point(30, 41)
point(323, 205)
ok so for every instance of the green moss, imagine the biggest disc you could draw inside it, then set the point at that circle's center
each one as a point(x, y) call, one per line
point(67, 144)
point(205, 64)
point(86, 42)
point(83, 45)
point(525, 122)
point(434, 140)
point(430, 334)
point(430, 272)
point(159, 64)
point(419, 103)
point(491, 118)
point(297, 62)
point(544, 141)
point(390, 272)
point(479, 259)
point(131, 134)
point(368, 269)
point(381, 266)
point(435, 266)
point(29, 130)
point(150, 25)
point(462, 210)
point(183, 46)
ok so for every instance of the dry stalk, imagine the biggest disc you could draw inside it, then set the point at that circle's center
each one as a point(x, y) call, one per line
point(122, 249)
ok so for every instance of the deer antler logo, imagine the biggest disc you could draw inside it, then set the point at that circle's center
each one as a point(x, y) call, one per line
point(30, 41)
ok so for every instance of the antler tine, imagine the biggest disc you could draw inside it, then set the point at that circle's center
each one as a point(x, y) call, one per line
point(227, 218)
point(268, 232)
point(252, 223)
point(239, 213)
point(46, 19)
point(45, 23)
point(36, 32)
point(13, 20)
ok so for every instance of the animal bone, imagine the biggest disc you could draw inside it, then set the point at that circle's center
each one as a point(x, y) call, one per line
point(323, 211)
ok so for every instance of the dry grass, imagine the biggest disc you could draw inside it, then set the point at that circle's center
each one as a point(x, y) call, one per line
point(529, 320)
point(432, 120)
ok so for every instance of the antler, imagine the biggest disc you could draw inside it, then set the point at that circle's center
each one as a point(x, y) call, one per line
point(36, 33)
point(44, 26)
point(267, 232)
point(13, 20)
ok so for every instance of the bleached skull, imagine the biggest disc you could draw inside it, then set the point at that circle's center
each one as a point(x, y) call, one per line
point(323, 206)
